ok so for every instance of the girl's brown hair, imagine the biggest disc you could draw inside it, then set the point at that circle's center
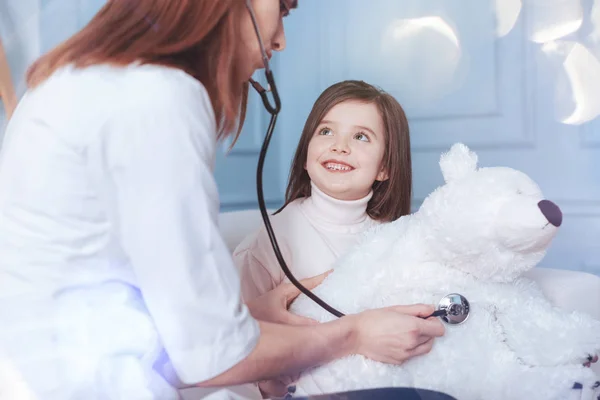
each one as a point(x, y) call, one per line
point(392, 197)
point(200, 37)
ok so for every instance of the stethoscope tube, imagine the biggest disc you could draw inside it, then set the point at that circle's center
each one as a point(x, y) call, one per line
point(269, 228)
point(274, 111)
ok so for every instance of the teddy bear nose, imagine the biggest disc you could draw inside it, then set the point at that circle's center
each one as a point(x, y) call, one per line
point(551, 212)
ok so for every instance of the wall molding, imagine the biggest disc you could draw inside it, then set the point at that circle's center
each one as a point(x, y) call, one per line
point(511, 126)
point(579, 208)
point(247, 203)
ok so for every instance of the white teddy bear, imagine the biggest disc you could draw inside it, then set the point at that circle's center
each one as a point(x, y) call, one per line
point(474, 236)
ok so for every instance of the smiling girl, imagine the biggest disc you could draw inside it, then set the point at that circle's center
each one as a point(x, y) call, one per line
point(352, 170)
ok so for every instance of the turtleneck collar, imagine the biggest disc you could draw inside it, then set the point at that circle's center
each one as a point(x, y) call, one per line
point(332, 212)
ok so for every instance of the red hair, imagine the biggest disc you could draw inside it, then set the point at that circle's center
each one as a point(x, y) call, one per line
point(200, 37)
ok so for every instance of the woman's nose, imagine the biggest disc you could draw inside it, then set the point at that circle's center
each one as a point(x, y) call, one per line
point(279, 38)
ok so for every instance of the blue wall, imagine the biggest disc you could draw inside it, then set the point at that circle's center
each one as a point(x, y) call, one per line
point(520, 84)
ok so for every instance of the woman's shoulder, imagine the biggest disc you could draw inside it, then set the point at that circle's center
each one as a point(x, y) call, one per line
point(165, 79)
point(160, 102)
point(133, 87)
point(159, 86)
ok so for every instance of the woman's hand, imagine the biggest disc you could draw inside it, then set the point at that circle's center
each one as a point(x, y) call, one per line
point(395, 334)
point(273, 305)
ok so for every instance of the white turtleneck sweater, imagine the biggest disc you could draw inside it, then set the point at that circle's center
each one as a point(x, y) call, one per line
point(312, 233)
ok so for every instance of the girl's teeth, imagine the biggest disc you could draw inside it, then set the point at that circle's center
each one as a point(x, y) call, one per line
point(338, 167)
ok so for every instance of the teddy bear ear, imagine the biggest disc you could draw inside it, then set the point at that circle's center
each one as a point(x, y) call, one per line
point(458, 162)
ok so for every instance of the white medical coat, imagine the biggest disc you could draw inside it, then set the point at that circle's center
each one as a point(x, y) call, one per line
point(109, 245)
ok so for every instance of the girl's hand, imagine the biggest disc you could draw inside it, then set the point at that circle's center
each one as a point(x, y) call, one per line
point(395, 334)
point(273, 305)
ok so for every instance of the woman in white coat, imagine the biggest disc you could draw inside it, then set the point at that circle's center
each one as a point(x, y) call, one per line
point(111, 261)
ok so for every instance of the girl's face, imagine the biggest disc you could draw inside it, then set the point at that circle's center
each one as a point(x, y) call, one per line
point(269, 16)
point(346, 151)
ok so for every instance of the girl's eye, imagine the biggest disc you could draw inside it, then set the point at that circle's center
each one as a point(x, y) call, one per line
point(325, 131)
point(361, 136)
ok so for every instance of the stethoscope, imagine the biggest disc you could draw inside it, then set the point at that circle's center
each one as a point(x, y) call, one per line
point(452, 308)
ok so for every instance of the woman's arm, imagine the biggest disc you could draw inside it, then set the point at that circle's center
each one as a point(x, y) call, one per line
point(7, 91)
point(154, 158)
point(391, 335)
point(287, 349)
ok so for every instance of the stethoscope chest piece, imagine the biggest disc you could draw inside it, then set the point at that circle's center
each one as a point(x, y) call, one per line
point(455, 309)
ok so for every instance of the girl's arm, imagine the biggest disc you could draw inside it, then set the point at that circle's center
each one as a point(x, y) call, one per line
point(256, 279)
point(7, 90)
point(255, 261)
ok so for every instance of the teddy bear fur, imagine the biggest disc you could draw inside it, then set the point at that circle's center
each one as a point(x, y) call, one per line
point(475, 235)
